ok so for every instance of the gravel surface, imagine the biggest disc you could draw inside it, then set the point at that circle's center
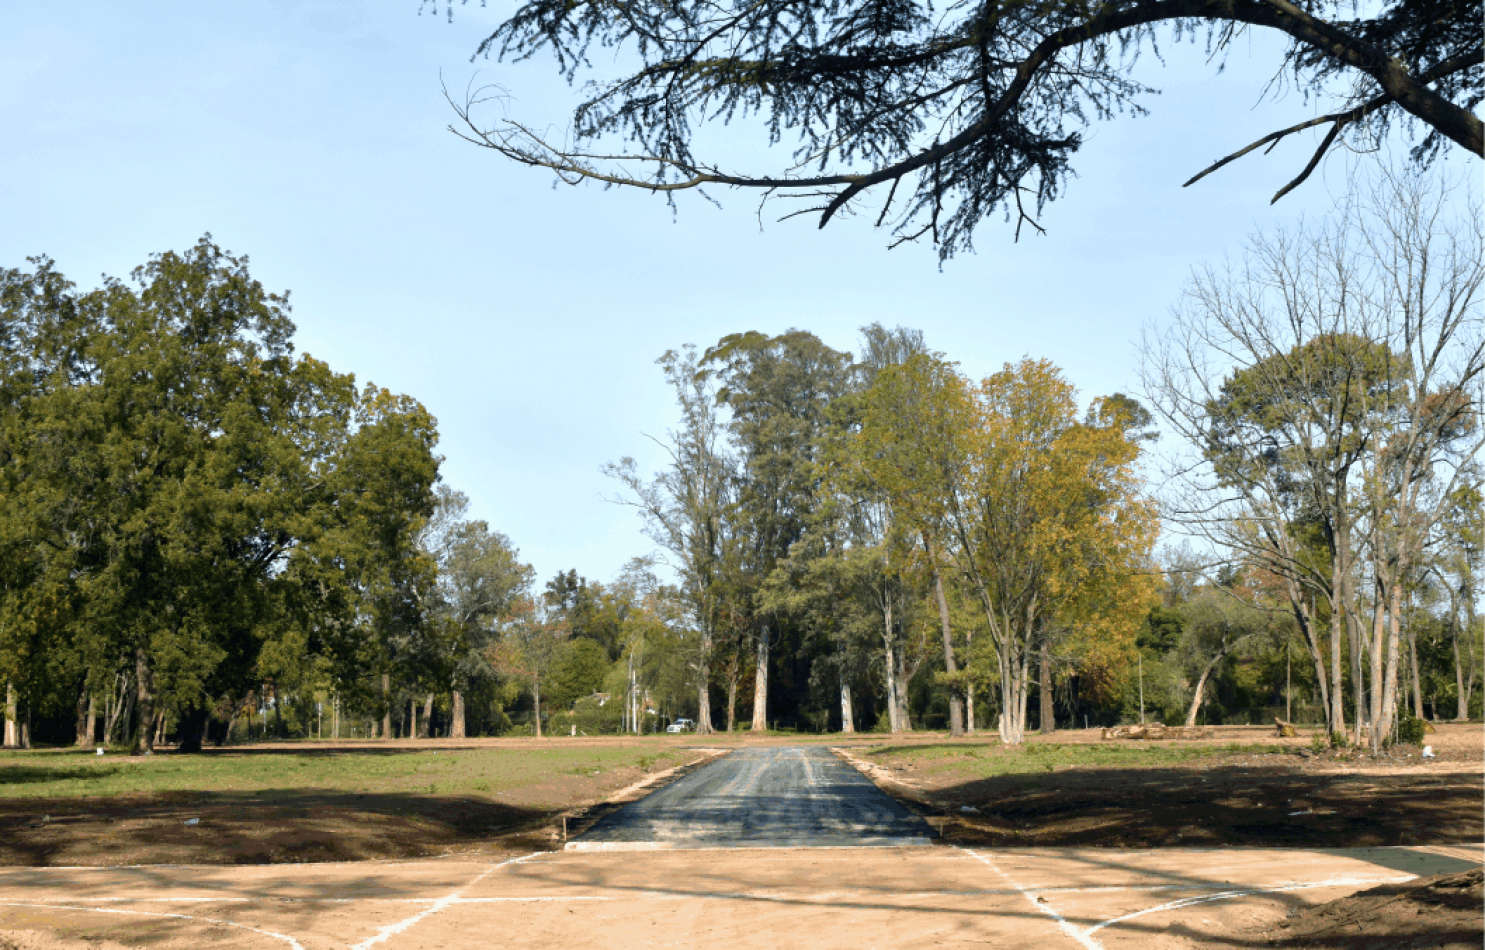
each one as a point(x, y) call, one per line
point(761, 797)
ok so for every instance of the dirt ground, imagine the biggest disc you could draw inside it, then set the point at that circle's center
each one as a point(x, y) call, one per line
point(1238, 850)
point(221, 827)
point(1289, 798)
point(740, 899)
point(1442, 911)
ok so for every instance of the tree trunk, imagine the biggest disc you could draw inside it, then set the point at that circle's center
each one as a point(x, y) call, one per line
point(847, 719)
point(144, 679)
point(704, 682)
point(1048, 724)
point(704, 703)
point(536, 704)
point(278, 711)
point(90, 730)
point(760, 683)
point(890, 650)
point(456, 715)
point(427, 732)
point(193, 727)
point(386, 705)
point(904, 678)
point(12, 718)
point(118, 705)
point(956, 701)
point(1461, 701)
point(1342, 600)
point(412, 718)
point(1469, 614)
point(1413, 671)
point(1359, 650)
point(732, 678)
point(84, 704)
point(1023, 689)
point(1201, 686)
point(1304, 615)
point(1383, 708)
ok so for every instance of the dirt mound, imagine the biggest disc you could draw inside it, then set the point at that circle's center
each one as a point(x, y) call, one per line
point(1442, 912)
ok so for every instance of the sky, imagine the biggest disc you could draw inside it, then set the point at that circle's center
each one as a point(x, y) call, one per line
point(312, 136)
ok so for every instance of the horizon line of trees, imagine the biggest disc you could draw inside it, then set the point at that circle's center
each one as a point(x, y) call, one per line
point(204, 536)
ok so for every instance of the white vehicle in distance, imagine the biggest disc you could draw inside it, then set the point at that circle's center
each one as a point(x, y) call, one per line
point(681, 725)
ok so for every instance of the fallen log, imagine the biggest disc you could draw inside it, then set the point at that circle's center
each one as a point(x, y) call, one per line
point(1157, 730)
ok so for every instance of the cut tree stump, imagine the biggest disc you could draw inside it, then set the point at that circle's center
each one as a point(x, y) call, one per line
point(1285, 730)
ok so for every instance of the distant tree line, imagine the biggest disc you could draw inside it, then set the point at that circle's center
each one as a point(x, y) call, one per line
point(206, 538)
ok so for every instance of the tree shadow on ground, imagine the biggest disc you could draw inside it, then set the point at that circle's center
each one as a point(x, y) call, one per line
point(266, 827)
point(1200, 806)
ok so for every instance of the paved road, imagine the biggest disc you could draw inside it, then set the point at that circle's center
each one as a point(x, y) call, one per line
point(755, 798)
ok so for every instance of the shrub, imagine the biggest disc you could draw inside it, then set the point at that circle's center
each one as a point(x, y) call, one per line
point(1410, 731)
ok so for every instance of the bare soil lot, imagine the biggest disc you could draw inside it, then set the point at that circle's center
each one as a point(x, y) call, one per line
point(1441, 912)
point(1240, 787)
point(298, 802)
point(292, 803)
point(1070, 842)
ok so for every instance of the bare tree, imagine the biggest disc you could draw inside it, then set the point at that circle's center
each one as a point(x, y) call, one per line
point(1327, 392)
point(686, 507)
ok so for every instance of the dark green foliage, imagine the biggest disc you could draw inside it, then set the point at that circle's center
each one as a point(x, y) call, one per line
point(579, 670)
point(950, 115)
point(186, 502)
point(1411, 730)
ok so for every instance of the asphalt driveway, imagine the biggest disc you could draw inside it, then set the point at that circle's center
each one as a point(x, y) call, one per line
point(761, 798)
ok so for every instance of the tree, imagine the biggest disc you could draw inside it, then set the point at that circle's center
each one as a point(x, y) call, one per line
point(579, 670)
point(917, 421)
point(780, 391)
point(687, 509)
point(1052, 531)
point(1329, 390)
point(189, 510)
point(530, 646)
point(480, 577)
point(966, 112)
point(1216, 624)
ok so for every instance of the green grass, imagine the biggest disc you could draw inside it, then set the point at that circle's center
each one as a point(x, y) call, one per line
point(65, 773)
point(985, 761)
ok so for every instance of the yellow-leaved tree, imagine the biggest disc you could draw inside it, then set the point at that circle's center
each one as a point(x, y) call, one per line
point(1051, 530)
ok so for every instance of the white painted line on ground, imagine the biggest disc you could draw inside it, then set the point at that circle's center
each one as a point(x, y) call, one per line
point(1040, 904)
point(144, 913)
point(1229, 895)
point(391, 930)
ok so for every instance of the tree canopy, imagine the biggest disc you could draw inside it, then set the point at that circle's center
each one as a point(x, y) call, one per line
point(956, 114)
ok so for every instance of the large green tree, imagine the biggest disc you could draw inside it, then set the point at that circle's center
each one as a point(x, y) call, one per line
point(186, 502)
point(780, 391)
point(480, 578)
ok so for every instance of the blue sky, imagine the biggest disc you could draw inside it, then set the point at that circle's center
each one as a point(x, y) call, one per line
point(312, 136)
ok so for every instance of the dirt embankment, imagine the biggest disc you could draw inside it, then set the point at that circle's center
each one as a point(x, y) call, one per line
point(1288, 797)
point(295, 826)
point(1442, 912)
